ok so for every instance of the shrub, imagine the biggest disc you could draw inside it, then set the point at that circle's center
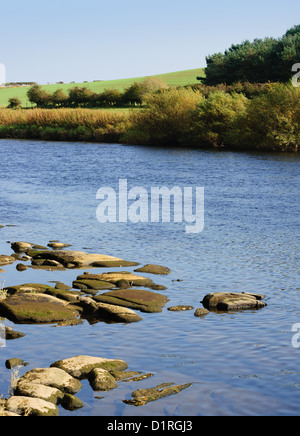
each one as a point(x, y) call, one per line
point(270, 122)
point(214, 117)
point(167, 118)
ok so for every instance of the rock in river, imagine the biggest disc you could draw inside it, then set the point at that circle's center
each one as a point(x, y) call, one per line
point(114, 278)
point(81, 366)
point(6, 260)
point(154, 269)
point(225, 301)
point(79, 259)
point(139, 299)
point(107, 312)
point(53, 377)
point(31, 406)
point(37, 308)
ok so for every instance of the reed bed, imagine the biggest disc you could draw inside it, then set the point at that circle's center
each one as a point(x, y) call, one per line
point(63, 124)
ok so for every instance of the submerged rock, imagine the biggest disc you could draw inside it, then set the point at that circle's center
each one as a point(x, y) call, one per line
point(79, 259)
point(180, 308)
point(154, 269)
point(142, 300)
point(81, 366)
point(225, 301)
point(144, 396)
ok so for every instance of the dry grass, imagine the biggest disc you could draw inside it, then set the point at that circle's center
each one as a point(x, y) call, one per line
point(62, 117)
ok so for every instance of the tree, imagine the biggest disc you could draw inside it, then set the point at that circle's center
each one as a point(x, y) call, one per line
point(14, 103)
point(38, 96)
point(59, 98)
point(79, 97)
point(260, 61)
point(138, 91)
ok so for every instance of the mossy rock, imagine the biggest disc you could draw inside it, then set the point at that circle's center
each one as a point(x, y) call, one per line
point(37, 308)
point(81, 366)
point(140, 299)
point(28, 288)
point(96, 285)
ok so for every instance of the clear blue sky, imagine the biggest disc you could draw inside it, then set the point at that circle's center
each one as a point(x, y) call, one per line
point(48, 41)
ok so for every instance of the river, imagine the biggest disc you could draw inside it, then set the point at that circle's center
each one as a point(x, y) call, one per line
point(239, 363)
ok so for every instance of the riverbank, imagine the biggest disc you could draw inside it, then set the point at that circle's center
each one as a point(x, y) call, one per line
point(174, 117)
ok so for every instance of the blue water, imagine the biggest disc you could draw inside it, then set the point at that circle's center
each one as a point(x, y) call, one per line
point(239, 363)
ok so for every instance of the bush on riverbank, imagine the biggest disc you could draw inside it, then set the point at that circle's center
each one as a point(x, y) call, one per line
point(174, 117)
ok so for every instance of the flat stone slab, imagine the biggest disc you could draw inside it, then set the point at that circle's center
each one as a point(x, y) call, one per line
point(92, 285)
point(80, 259)
point(37, 308)
point(81, 366)
point(139, 299)
point(226, 301)
point(116, 277)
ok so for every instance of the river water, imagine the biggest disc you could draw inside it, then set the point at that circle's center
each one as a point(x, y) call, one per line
point(239, 363)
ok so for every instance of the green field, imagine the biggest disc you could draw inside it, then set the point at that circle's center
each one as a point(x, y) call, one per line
point(178, 78)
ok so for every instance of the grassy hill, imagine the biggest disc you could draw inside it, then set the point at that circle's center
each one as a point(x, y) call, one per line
point(172, 79)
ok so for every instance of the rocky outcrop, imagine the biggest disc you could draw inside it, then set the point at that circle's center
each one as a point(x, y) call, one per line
point(226, 301)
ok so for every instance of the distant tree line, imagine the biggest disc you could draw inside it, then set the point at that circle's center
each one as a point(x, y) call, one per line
point(84, 97)
point(261, 61)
